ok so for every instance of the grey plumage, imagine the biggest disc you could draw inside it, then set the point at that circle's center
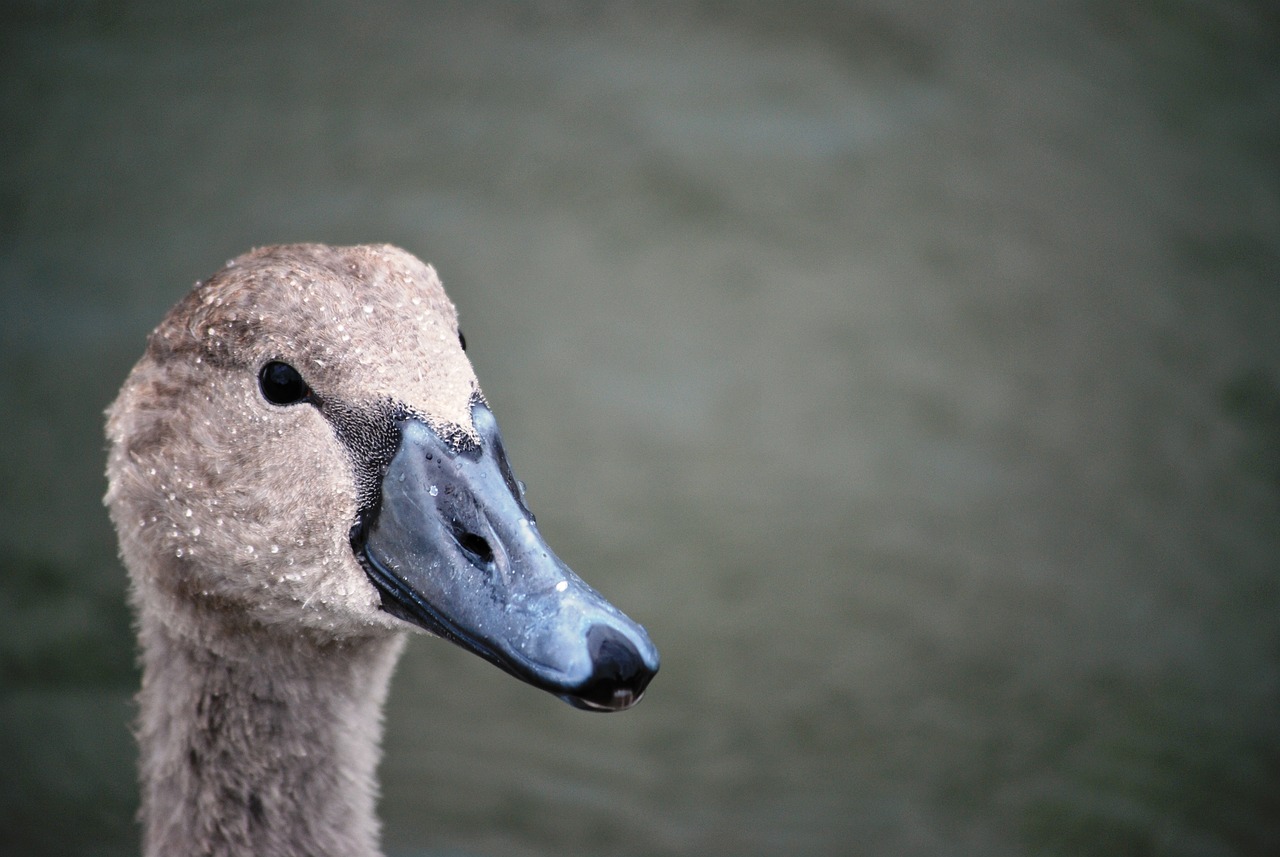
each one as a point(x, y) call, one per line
point(266, 657)
point(266, 648)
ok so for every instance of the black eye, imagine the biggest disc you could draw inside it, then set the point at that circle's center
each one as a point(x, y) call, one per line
point(281, 384)
point(462, 340)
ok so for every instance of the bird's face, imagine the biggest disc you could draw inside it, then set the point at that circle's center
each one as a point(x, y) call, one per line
point(304, 447)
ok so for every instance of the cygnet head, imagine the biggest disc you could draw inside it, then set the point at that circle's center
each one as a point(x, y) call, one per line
point(304, 451)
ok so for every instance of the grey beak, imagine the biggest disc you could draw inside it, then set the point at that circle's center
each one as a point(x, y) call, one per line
point(454, 549)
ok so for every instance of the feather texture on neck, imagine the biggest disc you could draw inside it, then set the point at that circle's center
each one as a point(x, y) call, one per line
point(268, 747)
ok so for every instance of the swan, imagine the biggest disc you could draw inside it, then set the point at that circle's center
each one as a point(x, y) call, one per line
point(302, 468)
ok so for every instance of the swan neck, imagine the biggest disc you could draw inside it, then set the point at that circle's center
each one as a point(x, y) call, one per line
point(267, 745)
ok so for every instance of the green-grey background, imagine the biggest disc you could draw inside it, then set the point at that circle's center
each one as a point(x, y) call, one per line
point(910, 369)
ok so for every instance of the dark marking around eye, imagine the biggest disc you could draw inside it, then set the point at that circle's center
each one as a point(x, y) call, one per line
point(462, 340)
point(281, 384)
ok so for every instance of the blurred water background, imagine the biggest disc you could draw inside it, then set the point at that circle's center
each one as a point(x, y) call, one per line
point(911, 370)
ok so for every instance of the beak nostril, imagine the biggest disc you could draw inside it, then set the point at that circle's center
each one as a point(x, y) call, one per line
point(476, 546)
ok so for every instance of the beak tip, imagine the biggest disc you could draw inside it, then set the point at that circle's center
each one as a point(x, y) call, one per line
point(620, 670)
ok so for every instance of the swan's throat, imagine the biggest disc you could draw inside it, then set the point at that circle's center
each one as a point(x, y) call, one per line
point(274, 753)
